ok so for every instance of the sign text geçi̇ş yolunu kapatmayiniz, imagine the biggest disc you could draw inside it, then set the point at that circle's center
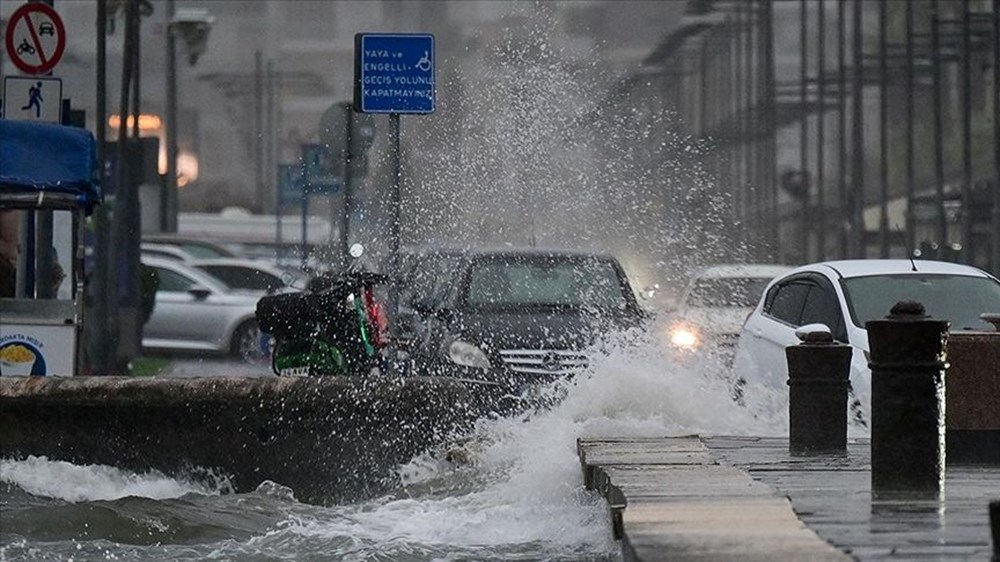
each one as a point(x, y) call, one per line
point(394, 73)
point(389, 93)
point(399, 80)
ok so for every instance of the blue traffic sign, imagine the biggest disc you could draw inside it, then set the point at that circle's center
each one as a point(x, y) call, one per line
point(316, 170)
point(290, 184)
point(394, 73)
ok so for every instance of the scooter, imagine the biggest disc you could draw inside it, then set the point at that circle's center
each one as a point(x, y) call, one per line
point(335, 328)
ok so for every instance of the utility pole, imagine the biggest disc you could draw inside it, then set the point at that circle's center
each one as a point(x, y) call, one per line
point(258, 124)
point(168, 216)
point(883, 130)
point(345, 222)
point(841, 215)
point(99, 342)
point(942, 236)
point(911, 225)
point(966, 88)
point(117, 253)
point(703, 98)
point(856, 196)
point(739, 78)
point(820, 130)
point(270, 162)
point(804, 231)
point(752, 181)
point(767, 37)
point(995, 223)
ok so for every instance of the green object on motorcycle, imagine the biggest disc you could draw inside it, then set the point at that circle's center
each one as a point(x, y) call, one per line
point(315, 358)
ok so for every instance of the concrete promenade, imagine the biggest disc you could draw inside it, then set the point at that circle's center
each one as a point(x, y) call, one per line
point(747, 498)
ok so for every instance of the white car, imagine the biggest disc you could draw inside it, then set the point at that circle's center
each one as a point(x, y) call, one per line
point(196, 312)
point(714, 305)
point(843, 296)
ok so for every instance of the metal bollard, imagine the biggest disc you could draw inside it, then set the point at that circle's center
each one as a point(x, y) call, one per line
point(818, 378)
point(995, 528)
point(908, 352)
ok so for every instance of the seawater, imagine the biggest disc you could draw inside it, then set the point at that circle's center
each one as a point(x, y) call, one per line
point(511, 489)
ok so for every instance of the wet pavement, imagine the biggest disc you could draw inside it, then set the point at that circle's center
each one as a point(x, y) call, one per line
point(729, 497)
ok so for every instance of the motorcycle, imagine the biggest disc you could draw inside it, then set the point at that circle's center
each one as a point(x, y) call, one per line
point(337, 327)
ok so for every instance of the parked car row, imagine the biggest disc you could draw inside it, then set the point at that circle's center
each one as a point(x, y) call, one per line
point(194, 311)
point(184, 248)
point(207, 297)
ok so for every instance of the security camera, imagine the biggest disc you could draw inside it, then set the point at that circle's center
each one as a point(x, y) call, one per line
point(192, 25)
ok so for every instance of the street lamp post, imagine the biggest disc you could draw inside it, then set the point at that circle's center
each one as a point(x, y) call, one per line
point(192, 25)
point(168, 202)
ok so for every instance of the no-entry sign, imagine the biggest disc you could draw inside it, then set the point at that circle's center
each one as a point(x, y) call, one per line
point(35, 38)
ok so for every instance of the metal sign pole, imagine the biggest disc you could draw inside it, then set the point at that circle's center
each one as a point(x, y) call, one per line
point(345, 222)
point(397, 174)
point(97, 329)
point(404, 61)
point(303, 249)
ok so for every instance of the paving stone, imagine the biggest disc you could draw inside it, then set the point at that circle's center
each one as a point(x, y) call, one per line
point(748, 498)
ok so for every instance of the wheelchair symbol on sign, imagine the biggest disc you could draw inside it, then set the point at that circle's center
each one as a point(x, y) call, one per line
point(424, 63)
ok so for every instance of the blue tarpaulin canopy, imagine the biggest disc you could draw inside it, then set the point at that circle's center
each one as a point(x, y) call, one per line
point(42, 158)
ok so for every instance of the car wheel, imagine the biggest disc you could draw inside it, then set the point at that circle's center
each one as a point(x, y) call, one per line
point(245, 344)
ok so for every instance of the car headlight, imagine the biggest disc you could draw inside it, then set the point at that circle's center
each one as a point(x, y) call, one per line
point(468, 355)
point(685, 337)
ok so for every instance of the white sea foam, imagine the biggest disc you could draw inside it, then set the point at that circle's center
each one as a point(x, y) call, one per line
point(73, 483)
point(533, 487)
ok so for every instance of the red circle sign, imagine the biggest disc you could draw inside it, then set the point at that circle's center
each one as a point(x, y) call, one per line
point(35, 38)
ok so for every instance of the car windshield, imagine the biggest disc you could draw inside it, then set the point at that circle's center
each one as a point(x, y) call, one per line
point(430, 271)
point(958, 299)
point(727, 291)
point(545, 281)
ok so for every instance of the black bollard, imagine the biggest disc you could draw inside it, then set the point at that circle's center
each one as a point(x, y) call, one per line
point(995, 529)
point(818, 377)
point(908, 352)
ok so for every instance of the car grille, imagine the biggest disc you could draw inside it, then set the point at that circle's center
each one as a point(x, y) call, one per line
point(544, 361)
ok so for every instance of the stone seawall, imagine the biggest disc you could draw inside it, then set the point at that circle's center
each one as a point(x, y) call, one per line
point(330, 439)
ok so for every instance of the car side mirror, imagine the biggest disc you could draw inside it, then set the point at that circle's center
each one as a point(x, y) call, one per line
point(814, 332)
point(992, 318)
point(199, 292)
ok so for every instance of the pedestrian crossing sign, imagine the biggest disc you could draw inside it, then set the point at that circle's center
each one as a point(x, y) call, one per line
point(32, 98)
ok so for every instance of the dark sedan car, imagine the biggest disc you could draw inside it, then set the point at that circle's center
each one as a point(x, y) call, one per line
point(513, 317)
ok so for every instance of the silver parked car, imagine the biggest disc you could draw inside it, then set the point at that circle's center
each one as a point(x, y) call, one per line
point(251, 275)
point(197, 312)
